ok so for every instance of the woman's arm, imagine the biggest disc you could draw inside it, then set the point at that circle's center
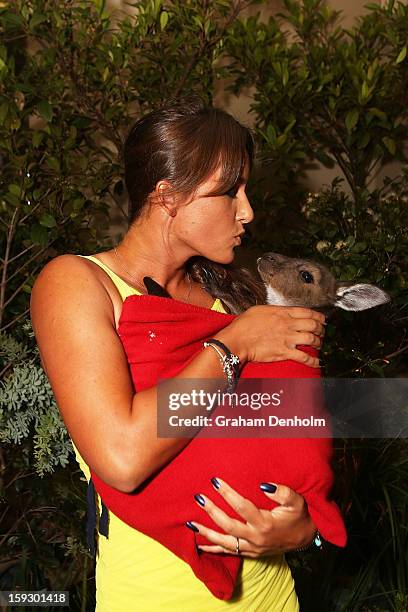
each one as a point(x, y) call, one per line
point(114, 429)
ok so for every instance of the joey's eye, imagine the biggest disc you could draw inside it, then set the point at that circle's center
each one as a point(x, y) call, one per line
point(306, 276)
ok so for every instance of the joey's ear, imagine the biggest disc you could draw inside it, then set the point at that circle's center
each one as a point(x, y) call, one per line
point(360, 297)
point(165, 197)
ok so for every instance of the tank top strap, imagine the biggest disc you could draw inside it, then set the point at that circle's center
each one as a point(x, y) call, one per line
point(124, 289)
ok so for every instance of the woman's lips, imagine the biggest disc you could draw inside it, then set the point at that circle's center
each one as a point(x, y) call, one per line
point(238, 237)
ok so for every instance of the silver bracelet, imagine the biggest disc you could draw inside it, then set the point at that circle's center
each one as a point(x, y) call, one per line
point(229, 365)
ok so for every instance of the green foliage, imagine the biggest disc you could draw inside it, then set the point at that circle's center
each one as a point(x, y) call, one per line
point(72, 80)
point(336, 96)
point(71, 83)
point(28, 412)
point(366, 243)
point(324, 92)
point(42, 533)
point(371, 573)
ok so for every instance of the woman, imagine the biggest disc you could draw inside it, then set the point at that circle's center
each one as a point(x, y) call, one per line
point(186, 169)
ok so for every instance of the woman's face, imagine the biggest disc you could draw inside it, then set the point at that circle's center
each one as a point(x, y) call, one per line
point(210, 225)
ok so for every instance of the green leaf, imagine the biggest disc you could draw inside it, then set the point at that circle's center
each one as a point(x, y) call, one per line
point(39, 235)
point(359, 247)
point(290, 126)
point(285, 75)
point(271, 134)
point(82, 122)
point(351, 120)
point(78, 203)
point(402, 55)
point(390, 144)
point(4, 108)
point(157, 4)
point(37, 138)
point(53, 163)
point(15, 189)
point(36, 19)
point(280, 141)
point(364, 91)
point(323, 158)
point(377, 369)
point(378, 113)
point(164, 18)
point(364, 140)
point(45, 110)
point(48, 220)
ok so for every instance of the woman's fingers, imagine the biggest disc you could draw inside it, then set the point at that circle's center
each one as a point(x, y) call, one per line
point(307, 325)
point(242, 506)
point(304, 338)
point(302, 357)
point(242, 551)
point(306, 313)
point(222, 542)
point(228, 524)
point(285, 496)
point(286, 527)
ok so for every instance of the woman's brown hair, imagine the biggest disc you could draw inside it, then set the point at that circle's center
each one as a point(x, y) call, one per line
point(186, 142)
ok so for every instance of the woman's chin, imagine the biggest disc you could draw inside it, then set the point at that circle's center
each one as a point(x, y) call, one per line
point(220, 257)
point(226, 259)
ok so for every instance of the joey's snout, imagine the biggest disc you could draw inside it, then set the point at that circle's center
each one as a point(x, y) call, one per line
point(269, 263)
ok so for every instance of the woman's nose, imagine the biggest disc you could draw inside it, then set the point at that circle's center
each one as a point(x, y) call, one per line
point(245, 214)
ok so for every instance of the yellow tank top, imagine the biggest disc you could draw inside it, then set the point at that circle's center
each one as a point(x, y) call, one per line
point(134, 573)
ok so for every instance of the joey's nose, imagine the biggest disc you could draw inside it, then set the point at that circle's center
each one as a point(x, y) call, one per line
point(269, 256)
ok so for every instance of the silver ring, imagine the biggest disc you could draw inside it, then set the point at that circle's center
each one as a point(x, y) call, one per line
point(237, 551)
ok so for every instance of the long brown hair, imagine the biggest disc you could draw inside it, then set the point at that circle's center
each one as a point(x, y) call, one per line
point(185, 142)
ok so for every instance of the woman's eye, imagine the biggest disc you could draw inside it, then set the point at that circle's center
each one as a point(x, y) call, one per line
point(232, 192)
point(306, 276)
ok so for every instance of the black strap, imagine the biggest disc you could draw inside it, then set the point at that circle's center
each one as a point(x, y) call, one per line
point(104, 521)
point(153, 288)
point(91, 513)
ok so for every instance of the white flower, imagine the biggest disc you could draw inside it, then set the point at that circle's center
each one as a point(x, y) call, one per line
point(323, 245)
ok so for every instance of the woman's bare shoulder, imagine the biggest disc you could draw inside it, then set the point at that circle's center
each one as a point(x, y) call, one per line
point(66, 269)
point(68, 276)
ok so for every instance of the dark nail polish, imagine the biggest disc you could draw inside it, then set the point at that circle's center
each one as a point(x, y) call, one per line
point(190, 525)
point(269, 488)
point(215, 483)
point(200, 499)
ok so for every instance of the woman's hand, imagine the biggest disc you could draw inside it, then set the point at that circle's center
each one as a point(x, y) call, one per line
point(271, 333)
point(265, 532)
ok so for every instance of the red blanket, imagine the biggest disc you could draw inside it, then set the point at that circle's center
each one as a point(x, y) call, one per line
point(160, 336)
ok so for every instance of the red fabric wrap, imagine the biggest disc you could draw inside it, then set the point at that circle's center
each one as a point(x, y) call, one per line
point(161, 506)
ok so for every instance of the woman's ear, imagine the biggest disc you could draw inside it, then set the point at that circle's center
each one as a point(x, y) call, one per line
point(165, 197)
